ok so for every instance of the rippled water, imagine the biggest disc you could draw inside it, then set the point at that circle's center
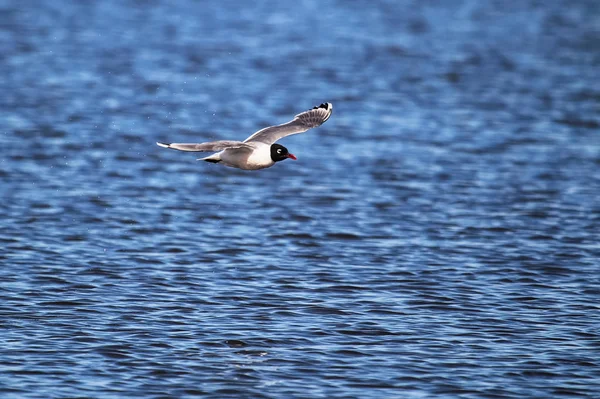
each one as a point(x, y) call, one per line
point(437, 238)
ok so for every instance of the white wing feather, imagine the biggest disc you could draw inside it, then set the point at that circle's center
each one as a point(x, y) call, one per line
point(212, 146)
point(301, 123)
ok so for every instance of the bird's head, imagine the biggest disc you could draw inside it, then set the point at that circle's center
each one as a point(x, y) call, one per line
point(279, 153)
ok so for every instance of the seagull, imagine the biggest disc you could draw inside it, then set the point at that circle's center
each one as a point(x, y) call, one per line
point(258, 151)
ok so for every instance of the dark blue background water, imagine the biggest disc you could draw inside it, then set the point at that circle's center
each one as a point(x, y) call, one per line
point(437, 238)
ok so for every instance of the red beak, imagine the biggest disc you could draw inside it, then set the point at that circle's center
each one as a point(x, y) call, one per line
point(292, 156)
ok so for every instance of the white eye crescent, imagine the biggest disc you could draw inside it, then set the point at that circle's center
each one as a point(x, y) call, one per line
point(279, 151)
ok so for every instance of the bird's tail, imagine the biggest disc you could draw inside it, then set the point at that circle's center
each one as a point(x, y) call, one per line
point(214, 158)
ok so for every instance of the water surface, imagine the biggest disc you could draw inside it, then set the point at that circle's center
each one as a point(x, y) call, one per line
point(437, 238)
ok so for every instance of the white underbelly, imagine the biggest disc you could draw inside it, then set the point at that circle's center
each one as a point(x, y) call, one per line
point(260, 158)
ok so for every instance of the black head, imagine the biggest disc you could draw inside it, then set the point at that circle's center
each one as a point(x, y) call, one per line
point(279, 153)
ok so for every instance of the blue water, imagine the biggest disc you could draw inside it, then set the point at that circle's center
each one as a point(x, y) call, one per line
point(438, 237)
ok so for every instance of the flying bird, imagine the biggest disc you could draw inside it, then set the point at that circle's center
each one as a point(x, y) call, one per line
point(258, 151)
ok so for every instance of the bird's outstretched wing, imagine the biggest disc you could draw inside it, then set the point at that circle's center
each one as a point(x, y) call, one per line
point(212, 146)
point(301, 123)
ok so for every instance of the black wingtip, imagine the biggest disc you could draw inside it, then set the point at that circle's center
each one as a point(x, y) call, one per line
point(324, 106)
point(164, 145)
